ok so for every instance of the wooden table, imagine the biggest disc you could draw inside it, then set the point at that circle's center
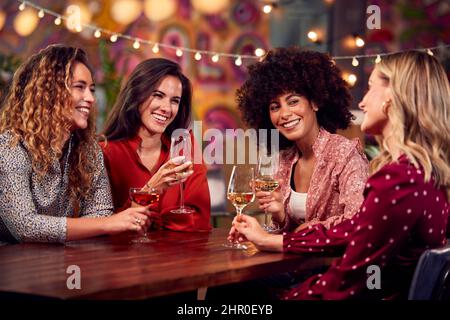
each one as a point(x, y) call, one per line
point(116, 268)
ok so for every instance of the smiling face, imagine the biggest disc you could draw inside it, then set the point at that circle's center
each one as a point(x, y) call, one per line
point(294, 116)
point(375, 119)
point(161, 107)
point(82, 89)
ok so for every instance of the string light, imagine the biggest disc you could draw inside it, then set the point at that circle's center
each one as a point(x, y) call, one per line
point(313, 36)
point(136, 44)
point(355, 62)
point(197, 56)
point(259, 53)
point(238, 61)
point(267, 9)
point(430, 52)
point(359, 42)
point(351, 79)
point(179, 52)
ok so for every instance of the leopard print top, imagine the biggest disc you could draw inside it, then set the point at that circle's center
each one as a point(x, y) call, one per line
point(35, 209)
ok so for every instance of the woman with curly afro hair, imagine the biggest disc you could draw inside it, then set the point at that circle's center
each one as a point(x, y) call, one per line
point(53, 183)
point(322, 174)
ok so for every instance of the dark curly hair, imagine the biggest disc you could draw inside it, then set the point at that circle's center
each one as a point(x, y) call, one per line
point(310, 74)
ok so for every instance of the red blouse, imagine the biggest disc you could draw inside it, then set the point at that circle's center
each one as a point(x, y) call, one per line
point(401, 216)
point(126, 170)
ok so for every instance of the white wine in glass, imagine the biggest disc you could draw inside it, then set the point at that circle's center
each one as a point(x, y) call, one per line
point(266, 181)
point(181, 146)
point(241, 192)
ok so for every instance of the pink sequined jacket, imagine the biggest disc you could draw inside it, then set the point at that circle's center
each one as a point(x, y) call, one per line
point(337, 183)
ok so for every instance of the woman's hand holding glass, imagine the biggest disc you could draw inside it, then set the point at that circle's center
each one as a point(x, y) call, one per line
point(272, 203)
point(168, 174)
point(246, 228)
point(132, 219)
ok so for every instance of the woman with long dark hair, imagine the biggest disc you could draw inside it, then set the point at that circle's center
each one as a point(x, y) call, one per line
point(152, 104)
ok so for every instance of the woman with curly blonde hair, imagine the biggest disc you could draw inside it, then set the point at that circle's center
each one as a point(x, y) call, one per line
point(406, 199)
point(51, 167)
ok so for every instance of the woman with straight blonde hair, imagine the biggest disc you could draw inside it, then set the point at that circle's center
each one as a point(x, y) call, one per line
point(51, 167)
point(406, 199)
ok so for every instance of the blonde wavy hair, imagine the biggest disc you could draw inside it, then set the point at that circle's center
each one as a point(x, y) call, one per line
point(419, 114)
point(38, 111)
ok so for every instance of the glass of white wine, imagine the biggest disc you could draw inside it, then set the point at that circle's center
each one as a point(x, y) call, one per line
point(267, 170)
point(241, 192)
point(181, 146)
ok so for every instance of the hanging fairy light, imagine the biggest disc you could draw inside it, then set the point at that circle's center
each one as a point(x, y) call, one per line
point(113, 38)
point(359, 42)
point(267, 9)
point(259, 52)
point(313, 36)
point(27, 20)
point(58, 21)
point(351, 79)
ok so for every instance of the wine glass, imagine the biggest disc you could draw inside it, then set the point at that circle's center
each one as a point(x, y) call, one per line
point(144, 197)
point(181, 146)
point(241, 191)
point(267, 171)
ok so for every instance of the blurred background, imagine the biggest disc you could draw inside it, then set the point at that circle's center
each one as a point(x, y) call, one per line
point(214, 41)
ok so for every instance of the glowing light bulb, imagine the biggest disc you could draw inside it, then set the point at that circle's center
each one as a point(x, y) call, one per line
point(136, 44)
point(97, 33)
point(259, 52)
point(113, 38)
point(313, 36)
point(359, 42)
point(267, 9)
point(215, 58)
point(238, 61)
point(58, 21)
point(155, 48)
point(197, 56)
point(355, 62)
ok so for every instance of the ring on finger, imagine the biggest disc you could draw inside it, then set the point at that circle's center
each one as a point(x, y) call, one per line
point(137, 221)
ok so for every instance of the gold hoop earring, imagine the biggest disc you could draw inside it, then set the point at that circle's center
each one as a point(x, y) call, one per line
point(385, 105)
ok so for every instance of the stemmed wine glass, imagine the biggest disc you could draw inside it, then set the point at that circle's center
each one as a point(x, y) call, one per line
point(266, 181)
point(144, 197)
point(241, 192)
point(181, 146)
